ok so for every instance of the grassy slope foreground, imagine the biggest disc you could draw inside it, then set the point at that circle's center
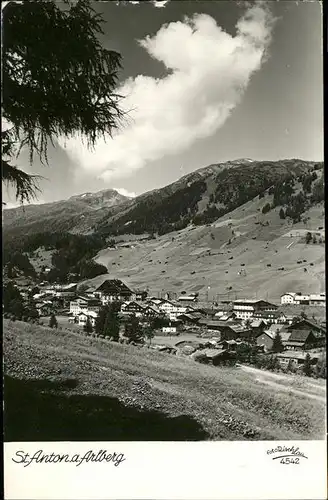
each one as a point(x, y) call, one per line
point(64, 386)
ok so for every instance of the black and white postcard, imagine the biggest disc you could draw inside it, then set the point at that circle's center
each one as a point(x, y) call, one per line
point(163, 211)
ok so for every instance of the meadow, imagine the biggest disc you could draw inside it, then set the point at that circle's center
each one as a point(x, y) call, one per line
point(63, 385)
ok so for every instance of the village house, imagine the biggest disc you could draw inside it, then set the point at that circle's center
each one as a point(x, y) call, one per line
point(310, 326)
point(257, 326)
point(173, 309)
point(82, 318)
point(225, 316)
point(113, 291)
point(155, 300)
point(44, 308)
point(152, 311)
point(231, 345)
point(191, 318)
point(89, 292)
point(130, 308)
point(318, 299)
point(211, 326)
point(188, 298)
point(172, 328)
point(65, 291)
point(140, 295)
point(301, 340)
point(266, 338)
point(225, 330)
point(296, 358)
point(244, 333)
point(246, 309)
point(298, 299)
point(217, 356)
point(85, 305)
point(270, 316)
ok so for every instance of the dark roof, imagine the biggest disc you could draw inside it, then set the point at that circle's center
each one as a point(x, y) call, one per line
point(93, 302)
point(192, 316)
point(114, 287)
point(306, 322)
point(299, 336)
point(222, 324)
point(254, 302)
point(208, 311)
point(211, 323)
point(213, 353)
point(183, 343)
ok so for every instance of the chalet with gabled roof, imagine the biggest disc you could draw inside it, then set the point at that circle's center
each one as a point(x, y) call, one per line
point(301, 340)
point(83, 317)
point(84, 304)
point(113, 291)
point(247, 308)
point(309, 326)
point(133, 307)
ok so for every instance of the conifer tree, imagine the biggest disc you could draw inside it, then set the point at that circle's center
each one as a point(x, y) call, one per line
point(88, 326)
point(53, 323)
point(307, 367)
point(133, 330)
point(277, 345)
point(58, 80)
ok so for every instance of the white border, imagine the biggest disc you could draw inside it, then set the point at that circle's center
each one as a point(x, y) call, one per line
point(170, 470)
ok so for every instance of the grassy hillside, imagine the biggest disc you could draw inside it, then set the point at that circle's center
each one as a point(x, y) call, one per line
point(207, 232)
point(199, 257)
point(64, 386)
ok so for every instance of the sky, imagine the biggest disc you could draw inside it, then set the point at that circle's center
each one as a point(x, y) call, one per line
point(204, 82)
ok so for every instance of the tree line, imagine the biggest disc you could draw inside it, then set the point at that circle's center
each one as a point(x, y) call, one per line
point(72, 257)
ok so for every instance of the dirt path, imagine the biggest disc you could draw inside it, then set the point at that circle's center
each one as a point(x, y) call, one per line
point(266, 378)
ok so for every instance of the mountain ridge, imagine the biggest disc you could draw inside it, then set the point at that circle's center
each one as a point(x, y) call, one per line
point(200, 196)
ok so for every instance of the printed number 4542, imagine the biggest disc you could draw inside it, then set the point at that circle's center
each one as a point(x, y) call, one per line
point(288, 460)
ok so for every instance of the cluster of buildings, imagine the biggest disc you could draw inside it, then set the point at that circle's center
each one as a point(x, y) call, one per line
point(255, 322)
point(132, 303)
point(297, 298)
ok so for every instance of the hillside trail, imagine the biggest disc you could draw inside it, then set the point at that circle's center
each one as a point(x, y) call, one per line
point(266, 378)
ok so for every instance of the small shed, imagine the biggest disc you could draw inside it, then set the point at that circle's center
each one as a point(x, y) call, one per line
point(217, 356)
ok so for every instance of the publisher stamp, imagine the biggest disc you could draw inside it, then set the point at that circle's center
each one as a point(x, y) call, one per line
point(287, 455)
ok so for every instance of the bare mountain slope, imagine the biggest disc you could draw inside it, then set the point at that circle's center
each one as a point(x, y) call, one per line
point(204, 195)
point(76, 214)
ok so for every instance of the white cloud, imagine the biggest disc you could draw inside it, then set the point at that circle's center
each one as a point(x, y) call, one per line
point(160, 3)
point(208, 72)
point(125, 192)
